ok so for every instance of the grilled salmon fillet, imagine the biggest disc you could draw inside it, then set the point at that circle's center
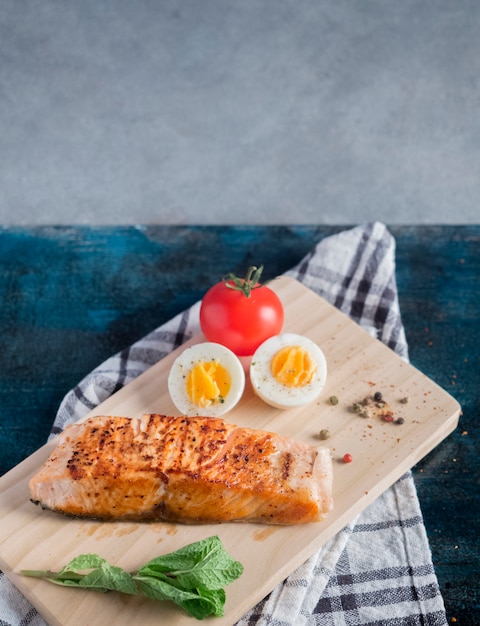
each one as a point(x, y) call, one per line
point(183, 469)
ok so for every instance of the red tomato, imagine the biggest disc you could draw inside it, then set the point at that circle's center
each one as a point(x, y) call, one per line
point(240, 313)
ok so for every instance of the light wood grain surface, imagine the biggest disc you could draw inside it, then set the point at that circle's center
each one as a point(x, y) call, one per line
point(358, 365)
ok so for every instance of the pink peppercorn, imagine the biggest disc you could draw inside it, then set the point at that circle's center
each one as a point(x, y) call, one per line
point(347, 458)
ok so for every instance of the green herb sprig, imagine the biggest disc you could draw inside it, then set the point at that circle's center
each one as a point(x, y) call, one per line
point(192, 577)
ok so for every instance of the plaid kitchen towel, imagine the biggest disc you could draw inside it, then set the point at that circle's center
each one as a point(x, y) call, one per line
point(378, 570)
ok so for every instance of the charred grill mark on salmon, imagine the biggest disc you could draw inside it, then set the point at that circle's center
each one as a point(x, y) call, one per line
point(179, 469)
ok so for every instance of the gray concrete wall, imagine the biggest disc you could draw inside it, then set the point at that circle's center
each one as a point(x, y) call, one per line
point(249, 111)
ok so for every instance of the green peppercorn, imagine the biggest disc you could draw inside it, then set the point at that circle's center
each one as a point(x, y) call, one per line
point(360, 409)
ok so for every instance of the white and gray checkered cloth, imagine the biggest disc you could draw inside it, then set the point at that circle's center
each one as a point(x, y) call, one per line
point(378, 570)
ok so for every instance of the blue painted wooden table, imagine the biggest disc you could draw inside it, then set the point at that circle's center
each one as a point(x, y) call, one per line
point(71, 297)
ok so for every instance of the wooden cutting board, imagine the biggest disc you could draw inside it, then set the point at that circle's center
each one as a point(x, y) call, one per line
point(358, 365)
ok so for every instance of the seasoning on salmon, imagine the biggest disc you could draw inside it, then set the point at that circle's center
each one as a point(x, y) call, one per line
point(183, 469)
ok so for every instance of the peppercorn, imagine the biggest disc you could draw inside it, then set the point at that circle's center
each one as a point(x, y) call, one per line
point(333, 400)
point(378, 397)
point(360, 409)
point(399, 420)
point(347, 458)
point(324, 433)
point(388, 417)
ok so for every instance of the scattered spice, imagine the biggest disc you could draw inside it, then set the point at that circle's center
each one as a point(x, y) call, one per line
point(360, 409)
point(347, 458)
point(405, 400)
point(376, 406)
point(333, 400)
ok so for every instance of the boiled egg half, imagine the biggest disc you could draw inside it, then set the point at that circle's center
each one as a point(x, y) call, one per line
point(206, 379)
point(288, 370)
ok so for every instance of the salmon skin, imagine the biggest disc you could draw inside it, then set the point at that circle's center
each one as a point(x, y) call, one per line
point(183, 469)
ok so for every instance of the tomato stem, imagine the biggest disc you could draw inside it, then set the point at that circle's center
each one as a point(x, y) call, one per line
point(245, 285)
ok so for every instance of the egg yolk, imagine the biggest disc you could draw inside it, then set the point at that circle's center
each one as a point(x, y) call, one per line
point(208, 383)
point(293, 366)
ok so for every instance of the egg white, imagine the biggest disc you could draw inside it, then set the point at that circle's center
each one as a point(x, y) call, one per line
point(183, 364)
point(275, 393)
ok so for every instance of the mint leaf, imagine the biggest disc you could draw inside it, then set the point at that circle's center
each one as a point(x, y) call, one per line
point(193, 577)
point(83, 562)
point(198, 603)
point(203, 564)
point(101, 577)
point(109, 578)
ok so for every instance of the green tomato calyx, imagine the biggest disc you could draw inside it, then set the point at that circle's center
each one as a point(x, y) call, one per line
point(245, 285)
